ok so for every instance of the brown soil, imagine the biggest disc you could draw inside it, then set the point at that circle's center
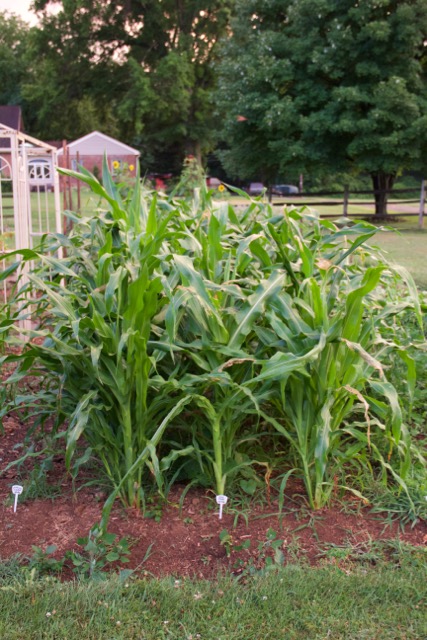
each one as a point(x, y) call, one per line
point(183, 543)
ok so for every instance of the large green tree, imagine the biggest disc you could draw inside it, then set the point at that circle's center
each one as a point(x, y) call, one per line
point(328, 84)
point(72, 84)
point(13, 58)
point(140, 69)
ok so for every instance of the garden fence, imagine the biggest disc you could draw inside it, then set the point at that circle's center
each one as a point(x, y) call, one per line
point(341, 202)
point(29, 198)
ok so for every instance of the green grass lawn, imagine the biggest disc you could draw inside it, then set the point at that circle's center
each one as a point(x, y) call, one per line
point(294, 603)
point(43, 211)
point(408, 248)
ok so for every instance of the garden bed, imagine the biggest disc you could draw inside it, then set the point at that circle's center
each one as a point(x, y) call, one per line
point(263, 355)
point(186, 541)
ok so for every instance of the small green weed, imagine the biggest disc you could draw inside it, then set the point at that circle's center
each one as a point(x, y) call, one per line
point(226, 541)
point(36, 483)
point(376, 553)
point(100, 549)
point(406, 555)
point(43, 561)
point(366, 552)
point(270, 553)
point(153, 509)
point(408, 507)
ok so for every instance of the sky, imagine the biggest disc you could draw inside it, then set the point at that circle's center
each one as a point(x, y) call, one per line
point(20, 7)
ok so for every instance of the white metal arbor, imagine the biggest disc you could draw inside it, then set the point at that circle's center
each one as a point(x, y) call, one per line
point(29, 193)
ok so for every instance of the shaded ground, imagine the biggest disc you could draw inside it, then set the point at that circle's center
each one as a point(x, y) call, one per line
point(185, 542)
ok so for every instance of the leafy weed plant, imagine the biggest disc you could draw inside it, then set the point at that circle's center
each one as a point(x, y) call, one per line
point(99, 549)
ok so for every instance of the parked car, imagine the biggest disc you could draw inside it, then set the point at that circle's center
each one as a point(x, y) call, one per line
point(255, 188)
point(284, 189)
point(213, 183)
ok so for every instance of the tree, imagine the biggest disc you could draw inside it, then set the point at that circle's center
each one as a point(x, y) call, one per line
point(332, 84)
point(259, 113)
point(13, 66)
point(145, 65)
point(71, 88)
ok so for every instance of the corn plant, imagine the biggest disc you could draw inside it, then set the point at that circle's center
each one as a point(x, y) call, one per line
point(175, 336)
point(285, 312)
point(330, 397)
point(102, 301)
point(221, 295)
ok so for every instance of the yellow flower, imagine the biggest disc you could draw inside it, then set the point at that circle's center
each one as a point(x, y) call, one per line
point(131, 167)
point(116, 164)
point(221, 188)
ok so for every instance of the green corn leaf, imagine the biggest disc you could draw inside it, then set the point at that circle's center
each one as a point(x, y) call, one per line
point(78, 423)
point(322, 445)
point(279, 366)
point(255, 307)
point(174, 455)
point(198, 299)
point(387, 390)
point(355, 244)
point(113, 285)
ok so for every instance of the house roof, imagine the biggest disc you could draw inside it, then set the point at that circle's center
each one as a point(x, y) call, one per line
point(11, 116)
point(98, 143)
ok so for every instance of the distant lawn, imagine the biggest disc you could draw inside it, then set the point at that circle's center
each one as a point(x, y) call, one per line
point(408, 248)
point(327, 209)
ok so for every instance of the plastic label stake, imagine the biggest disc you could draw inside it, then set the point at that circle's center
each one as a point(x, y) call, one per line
point(16, 490)
point(221, 500)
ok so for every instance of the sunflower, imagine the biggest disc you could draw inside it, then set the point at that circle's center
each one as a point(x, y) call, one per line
point(221, 188)
point(131, 167)
point(116, 164)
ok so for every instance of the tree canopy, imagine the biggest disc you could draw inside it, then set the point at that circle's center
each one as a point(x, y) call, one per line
point(140, 70)
point(317, 86)
point(323, 84)
point(13, 62)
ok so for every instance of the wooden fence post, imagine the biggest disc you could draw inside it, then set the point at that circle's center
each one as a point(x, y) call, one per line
point(345, 202)
point(64, 180)
point(78, 183)
point(70, 193)
point(422, 202)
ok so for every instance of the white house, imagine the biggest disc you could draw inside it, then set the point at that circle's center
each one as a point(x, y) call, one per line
point(89, 152)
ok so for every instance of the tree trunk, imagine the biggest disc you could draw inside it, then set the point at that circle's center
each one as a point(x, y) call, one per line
point(194, 148)
point(382, 183)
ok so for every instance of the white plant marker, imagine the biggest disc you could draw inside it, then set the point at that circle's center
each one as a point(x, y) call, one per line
point(16, 490)
point(221, 500)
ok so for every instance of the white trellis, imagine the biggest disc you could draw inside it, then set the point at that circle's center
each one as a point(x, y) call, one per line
point(29, 194)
